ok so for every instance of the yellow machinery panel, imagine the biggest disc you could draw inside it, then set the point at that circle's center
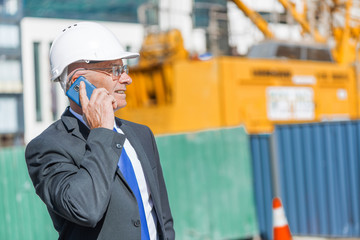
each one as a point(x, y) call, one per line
point(190, 95)
point(260, 93)
point(175, 97)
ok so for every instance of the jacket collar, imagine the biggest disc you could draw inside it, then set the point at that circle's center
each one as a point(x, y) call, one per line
point(74, 125)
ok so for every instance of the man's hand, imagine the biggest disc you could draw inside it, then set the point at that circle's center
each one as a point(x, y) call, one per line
point(98, 111)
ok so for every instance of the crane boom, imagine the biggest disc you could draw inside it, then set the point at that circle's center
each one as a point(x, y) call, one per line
point(255, 18)
point(302, 21)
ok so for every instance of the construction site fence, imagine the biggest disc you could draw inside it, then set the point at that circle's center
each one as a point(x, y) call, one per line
point(315, 169)
point(221, 183)
point(22, 213)
point(208, 176)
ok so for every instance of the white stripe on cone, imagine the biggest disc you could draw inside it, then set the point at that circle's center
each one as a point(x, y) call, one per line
point(279, 218)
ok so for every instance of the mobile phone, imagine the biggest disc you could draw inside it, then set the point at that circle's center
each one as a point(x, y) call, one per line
point(73, 92)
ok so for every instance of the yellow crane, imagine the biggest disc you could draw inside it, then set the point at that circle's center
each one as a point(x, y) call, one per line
point(301, 19)
point(256, 18)
point(345, 35)
point(173, 93)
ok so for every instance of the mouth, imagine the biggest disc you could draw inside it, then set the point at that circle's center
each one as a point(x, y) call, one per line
point(120, 91)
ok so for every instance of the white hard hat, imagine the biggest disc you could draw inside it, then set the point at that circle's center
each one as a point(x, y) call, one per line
point(84, 41)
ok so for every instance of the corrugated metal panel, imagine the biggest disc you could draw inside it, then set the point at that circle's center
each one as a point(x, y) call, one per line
point(209, 180)
point(22, 214)
point(261, 160)
point(320, 177)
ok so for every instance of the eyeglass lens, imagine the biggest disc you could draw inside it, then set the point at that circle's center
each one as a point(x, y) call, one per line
point(118, 70)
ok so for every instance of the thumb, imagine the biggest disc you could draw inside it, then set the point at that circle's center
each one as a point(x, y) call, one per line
point(84, 100)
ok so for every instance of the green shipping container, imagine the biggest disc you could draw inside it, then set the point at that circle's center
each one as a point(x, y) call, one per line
point(209, 180)
point(22, 214)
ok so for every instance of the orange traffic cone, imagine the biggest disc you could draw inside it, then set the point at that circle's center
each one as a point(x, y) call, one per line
point(280, 225)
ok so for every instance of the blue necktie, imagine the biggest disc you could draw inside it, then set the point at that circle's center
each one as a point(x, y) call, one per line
point(127, 170)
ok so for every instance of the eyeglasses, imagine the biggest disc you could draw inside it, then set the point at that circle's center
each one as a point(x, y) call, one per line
point(115, 70)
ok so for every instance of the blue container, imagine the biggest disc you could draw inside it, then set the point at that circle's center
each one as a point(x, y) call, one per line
point(319, 174)
point(261, 165)
point(315, 170)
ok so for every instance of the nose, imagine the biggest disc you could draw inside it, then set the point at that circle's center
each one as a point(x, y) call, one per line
point(125, 79)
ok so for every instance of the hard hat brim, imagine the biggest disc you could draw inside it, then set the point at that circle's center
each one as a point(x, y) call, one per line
point(128, 55)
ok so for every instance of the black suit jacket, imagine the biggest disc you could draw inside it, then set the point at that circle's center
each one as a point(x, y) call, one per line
point(75, 173)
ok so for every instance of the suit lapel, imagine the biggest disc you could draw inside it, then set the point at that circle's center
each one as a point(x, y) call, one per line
point(145, 163)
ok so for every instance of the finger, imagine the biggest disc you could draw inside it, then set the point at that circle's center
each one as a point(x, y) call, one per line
point(109, 99)
point(84, 100)
point(98, 96)
point(114, 103)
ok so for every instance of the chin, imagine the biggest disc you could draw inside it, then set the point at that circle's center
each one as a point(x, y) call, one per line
point(121, 105)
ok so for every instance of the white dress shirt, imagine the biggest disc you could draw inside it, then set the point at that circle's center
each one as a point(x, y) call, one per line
point(140, 177)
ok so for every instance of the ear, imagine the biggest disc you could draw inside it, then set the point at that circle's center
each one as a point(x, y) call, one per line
point(73, 79)
point(74, 75)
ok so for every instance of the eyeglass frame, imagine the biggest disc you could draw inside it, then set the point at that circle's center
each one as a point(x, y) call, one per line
point(122, 67)
point(117, 70)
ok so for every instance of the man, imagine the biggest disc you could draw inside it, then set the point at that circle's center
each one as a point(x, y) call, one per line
point(100, 178)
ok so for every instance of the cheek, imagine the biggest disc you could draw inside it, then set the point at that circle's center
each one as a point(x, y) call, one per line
point(100, 82)
point(93, 79)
